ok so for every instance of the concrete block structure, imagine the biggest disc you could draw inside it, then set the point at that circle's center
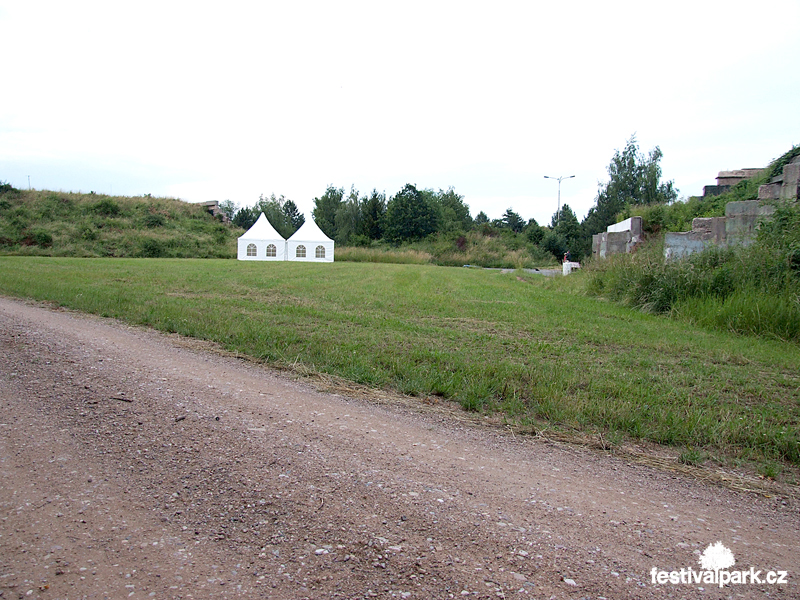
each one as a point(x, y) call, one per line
point(212, 206)
point(785, 186)
point(619, 238)
point(737, 228)
point(727, 179)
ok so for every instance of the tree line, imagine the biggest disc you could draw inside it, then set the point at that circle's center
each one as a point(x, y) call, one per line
point(413, 214)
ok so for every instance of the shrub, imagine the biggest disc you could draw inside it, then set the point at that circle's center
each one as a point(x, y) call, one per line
point(152, 221)
point(37, 237)
point(152, 248)
point(555, 244)
point(106, 207)
point(7, 188)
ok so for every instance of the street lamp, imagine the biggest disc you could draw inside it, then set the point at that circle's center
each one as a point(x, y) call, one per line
point(558, 212)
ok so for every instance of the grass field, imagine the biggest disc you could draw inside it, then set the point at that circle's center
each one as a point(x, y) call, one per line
point(493, 342)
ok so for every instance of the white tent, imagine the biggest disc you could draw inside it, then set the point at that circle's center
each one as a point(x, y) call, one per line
point(262, 242)
point(309, 244)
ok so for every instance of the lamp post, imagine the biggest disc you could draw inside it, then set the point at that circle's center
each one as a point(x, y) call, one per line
point(558, 211)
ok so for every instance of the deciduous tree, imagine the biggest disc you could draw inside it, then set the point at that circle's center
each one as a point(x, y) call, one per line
point(348, 218)
point(453, 213)
point(410, 216)
point(325, 209)
point(633, 179)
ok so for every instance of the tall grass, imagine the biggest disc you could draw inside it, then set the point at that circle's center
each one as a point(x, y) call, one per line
point(503, 249)
point(382, 255)
point(753, 290)
point(44, 223)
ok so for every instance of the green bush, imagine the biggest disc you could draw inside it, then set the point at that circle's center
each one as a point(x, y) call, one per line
point(7, 188)
point(152, 221)
point(37, 237)
point(89, 234)
point(106, 207)
point(151, 248)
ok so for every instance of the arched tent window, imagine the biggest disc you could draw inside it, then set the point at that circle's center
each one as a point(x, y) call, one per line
point(320, 252)
point(252, 250)
point(272, 251)
point(301, 251)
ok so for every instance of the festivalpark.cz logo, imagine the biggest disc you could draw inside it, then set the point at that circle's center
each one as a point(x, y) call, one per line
point(714, 564)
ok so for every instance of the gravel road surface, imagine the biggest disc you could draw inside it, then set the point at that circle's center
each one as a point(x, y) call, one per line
point(139, 465)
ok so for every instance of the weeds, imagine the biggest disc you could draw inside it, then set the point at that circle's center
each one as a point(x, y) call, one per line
point(692, 457)
point(770, 470)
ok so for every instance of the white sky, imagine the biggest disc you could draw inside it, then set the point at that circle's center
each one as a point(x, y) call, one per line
point(211, 100)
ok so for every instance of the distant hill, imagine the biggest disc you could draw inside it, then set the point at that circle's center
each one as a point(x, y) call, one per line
point(46, 223)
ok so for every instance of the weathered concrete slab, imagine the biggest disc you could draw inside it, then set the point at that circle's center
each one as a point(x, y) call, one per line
point(790, 189)
point(713, 226)
point(619, 238)
point(737, 228)
point(785, 186)
point(682, 244)
point(633, 224)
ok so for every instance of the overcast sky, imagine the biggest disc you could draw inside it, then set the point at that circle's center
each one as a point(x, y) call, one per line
point(212, 101)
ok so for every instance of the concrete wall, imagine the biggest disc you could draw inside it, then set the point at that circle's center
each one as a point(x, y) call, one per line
point(733, 177)
point(785, 186)
point(790, 188)
point(737, 228)
point(634, 225)
point(679, 245)
point(619, 238)
point(715, 190)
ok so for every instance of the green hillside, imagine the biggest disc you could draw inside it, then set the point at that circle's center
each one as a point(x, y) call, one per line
point(46, 223)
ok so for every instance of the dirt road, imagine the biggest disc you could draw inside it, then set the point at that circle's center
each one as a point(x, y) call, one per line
point(135, 465)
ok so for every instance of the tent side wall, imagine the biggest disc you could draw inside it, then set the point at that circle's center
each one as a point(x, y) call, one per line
point(261, 249)
point(312, 251)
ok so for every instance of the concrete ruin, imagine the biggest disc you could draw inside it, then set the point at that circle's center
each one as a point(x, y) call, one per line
point(727, 179)
point(212, 206)
point(785, 186)
point(737, 228)
point(619, 238)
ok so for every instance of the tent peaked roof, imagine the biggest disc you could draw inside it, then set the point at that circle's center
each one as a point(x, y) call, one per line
point(262, 229)
point(309, 232)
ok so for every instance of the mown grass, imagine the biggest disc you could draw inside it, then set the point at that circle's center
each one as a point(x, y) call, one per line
point(487, 340)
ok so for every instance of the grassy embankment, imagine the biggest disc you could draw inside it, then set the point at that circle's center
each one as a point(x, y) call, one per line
point(543, 357)
point(44, 223)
